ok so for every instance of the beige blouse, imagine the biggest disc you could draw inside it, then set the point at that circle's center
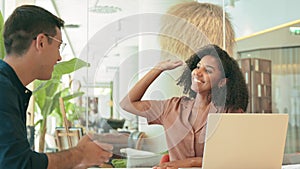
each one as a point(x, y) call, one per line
point(185, 137)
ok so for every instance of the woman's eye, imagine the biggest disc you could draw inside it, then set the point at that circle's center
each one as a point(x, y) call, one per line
point(208, 71)
point(199, 66)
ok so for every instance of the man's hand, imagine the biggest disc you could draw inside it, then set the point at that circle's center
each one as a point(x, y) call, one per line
point(93, 152)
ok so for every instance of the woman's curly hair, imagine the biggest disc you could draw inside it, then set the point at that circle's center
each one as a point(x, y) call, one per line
point(234, 95)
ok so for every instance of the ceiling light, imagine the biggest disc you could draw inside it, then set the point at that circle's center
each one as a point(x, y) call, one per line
point(104, 8)
point(71, 25)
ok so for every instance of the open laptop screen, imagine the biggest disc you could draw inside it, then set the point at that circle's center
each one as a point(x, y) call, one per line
point(245, 140)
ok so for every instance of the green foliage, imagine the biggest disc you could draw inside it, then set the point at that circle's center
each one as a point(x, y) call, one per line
point(47, 93)
point(119, 163)
point(2, 49)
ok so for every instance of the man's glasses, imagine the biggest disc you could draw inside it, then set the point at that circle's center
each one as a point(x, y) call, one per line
point(62, 44)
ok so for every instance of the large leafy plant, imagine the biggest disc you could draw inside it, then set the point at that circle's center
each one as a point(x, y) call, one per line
point(47, 94)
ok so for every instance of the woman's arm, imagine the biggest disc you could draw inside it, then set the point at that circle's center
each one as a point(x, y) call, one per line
point(132, 101)
point(186, 163)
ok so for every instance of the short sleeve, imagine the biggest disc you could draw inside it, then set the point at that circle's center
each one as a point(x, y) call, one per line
point(156, 111)
point(161, 109)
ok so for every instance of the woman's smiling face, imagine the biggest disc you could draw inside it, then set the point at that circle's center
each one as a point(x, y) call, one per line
point(207, 75)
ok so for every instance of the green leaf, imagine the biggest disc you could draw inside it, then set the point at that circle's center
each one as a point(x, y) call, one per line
point(45, 85)
point(55, 101)
point(38, 122)
point(70, 66)
point(72, 96)
point(2, 48)
point(46, 109)
point(53, 88)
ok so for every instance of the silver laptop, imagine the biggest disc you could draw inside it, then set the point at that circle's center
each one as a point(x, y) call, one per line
point(245, 141)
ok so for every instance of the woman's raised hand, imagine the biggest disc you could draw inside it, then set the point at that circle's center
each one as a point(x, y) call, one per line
point(168, 64)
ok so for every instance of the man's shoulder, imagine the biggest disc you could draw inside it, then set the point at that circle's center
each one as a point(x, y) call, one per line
point(7, 89)
point(5, 81)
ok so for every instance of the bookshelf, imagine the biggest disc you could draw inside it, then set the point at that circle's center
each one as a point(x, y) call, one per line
point(257, 73)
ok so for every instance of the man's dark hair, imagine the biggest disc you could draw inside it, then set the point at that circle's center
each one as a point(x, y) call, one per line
point(234, 95)
point(24, 24)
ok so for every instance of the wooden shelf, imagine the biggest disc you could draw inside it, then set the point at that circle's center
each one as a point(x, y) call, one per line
point(257, 73)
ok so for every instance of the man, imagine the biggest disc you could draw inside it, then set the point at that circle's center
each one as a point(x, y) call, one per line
point(32, 37)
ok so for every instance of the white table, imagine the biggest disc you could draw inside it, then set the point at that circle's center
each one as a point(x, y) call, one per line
point(294, 166)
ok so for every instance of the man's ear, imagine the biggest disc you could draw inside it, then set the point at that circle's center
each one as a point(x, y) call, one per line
point(40, 41)
point(222, 82)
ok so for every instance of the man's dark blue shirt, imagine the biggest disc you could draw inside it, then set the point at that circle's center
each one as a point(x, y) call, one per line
point(15, 152)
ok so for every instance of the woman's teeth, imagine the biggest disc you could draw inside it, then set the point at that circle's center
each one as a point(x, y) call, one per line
point(196, 80)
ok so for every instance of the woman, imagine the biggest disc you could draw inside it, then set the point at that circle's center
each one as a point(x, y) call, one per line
point(214, 84)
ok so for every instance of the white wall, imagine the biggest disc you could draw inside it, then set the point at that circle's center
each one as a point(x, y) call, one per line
point(250, 16)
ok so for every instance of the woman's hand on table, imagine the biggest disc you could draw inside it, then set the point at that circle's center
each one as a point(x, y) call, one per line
point(186, 163)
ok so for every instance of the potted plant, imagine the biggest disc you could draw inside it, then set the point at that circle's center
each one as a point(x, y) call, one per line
point(47, 94)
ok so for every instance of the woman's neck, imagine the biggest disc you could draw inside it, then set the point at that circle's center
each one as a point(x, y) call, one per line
point(202, 101)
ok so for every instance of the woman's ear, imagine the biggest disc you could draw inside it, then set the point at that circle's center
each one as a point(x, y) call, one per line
point(222, 82)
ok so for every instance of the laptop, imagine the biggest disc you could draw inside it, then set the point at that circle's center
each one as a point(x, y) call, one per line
point(245, 141)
